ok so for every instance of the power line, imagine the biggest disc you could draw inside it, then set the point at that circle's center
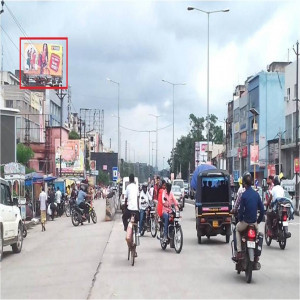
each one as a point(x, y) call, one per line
point(135, 130)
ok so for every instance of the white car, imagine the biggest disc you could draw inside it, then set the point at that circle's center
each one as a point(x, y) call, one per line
point(178, 195)
point(11, 226)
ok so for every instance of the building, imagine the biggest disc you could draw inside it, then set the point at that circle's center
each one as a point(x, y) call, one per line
point(263, 92)
point(289, 150)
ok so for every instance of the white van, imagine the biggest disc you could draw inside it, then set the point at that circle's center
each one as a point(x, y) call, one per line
point(124, 186)
point(11, 226)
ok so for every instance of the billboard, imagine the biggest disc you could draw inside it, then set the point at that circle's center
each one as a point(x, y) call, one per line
point(43, 59)
point(72, 156)
point(201, 152)
point(253, 154)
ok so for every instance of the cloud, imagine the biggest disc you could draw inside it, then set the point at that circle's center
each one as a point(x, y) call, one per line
point(139, 43)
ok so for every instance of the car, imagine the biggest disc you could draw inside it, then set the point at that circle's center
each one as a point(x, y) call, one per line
point(186, 190)
point(176, 190)
point(11, 226)
point(180, 183)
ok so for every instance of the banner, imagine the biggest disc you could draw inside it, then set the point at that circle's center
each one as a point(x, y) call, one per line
point(72, 156)
point(36, 100)
point(296, 165)
point(271, 170)
point(43, 59)
point(93, 165)
point(253, 154)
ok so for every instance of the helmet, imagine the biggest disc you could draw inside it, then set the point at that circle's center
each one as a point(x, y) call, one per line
point(276, 180)
point(247, 178)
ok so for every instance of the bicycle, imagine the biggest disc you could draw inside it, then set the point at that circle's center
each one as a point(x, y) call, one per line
point(132, 238)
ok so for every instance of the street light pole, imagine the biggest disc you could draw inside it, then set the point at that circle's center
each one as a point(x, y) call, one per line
point(119, 144)
point(156, 116)
point(173, 84)
point(208, 14)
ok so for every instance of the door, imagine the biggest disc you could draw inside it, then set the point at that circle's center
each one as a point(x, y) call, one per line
point(7, 212)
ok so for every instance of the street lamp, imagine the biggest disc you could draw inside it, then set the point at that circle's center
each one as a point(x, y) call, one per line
point(173, 84)
point(255, 127)
point(119, 145)
point(156, 116)
point(208, 13)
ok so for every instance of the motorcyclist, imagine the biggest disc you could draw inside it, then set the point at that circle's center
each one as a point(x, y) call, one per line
point(247, 213)
point(144, 203)
point(167, 200)
point(277, 192)
point(82, 195)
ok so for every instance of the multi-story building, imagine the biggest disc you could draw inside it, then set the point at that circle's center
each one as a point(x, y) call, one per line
point(289, 150)
point(265, 93)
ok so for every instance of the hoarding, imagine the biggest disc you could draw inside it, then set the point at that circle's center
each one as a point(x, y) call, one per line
point(93, 165)
point(72, 156)
point(201, 152)
point(43, 59)
point(253, 155)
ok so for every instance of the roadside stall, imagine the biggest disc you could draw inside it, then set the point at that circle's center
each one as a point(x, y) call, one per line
point(34, 183)
point(14, 174)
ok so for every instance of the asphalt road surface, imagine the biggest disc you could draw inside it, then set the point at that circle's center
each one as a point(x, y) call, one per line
point(90, 262)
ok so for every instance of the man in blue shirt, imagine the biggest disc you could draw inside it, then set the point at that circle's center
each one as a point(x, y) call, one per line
point(247, 214)
point(81, 200)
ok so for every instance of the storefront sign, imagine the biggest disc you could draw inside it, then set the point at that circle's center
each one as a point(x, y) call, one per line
point(296, 165)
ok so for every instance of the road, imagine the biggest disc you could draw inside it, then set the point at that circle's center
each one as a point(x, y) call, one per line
point(90, 262)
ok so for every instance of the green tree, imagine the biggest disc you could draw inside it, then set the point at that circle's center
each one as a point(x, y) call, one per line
point(24, 154)
point(103, 178)
point(215, 131)
point(73, 135)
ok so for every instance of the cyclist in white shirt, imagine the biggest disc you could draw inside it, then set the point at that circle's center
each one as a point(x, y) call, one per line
point(131, 202)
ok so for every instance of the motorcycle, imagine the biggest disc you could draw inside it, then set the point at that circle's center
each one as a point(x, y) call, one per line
point(146, 221)
point(175, 235)
point(280, 224)
point(78, 216)
point(252, 242)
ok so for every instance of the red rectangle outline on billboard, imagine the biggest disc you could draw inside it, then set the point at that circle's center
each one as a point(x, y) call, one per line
point(43, 87)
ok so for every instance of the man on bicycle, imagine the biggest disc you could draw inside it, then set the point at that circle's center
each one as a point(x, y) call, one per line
point(131, 202)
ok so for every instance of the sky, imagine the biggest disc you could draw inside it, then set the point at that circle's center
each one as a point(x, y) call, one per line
point(139, 43)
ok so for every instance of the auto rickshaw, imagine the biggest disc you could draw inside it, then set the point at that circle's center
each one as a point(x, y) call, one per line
point(213, 204)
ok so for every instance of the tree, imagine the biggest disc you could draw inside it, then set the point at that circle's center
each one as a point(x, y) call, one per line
point(73, 135)
point(24, 154)
point(103, 178)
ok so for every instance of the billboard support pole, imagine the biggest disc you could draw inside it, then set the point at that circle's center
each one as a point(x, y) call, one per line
point(60, 94)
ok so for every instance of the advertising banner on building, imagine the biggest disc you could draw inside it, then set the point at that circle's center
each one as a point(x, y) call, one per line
point(201, 152)
point(72, 156)
point(271, 170)
point(36, 100)
point(296, 165)
point(93, 165)
point(253, 155)
point(43, 59)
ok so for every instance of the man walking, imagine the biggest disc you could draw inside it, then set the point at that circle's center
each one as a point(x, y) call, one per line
point(58, 201)
point(43, 200)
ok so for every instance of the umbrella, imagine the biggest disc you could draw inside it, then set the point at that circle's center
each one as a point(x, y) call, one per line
point(200, 169)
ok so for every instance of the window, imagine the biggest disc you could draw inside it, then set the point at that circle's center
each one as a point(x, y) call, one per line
point(5, 195)
point(288, 94)
point(41, 165)
point(9, 103)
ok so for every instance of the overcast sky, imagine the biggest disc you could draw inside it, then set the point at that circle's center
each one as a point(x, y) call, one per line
point(139, 43)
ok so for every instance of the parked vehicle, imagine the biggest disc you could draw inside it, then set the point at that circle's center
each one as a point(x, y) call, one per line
point(251, 248)
point(11, 226)
point(178, 196)
point(213, 204)
point(280, 224)
point(175, 235)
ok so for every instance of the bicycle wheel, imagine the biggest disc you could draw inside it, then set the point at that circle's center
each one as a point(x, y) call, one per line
point(133, 251)
point(93, 216)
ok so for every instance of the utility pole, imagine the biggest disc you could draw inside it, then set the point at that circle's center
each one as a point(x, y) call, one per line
point(61, 95)
point(297, 189)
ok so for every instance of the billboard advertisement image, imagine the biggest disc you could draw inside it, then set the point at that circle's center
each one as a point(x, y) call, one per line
point(72, 156)
point(43, 59)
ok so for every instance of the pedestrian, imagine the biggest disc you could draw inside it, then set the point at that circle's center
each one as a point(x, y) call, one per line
point(43, 200)
point(58, 196)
